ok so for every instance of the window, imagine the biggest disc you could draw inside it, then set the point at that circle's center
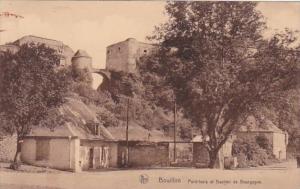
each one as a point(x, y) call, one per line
point(108, 52)
point(145, 51)
point(42, 149)
point(119, 48)
point(62, 62)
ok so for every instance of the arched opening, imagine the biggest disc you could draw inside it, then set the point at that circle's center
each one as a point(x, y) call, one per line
point(102, 81)
point(97, 80)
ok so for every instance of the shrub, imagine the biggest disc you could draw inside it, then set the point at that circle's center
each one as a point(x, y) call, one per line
point(250, 153)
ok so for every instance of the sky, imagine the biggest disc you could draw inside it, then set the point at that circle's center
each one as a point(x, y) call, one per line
point(93, 25)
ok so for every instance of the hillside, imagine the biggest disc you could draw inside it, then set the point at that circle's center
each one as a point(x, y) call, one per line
point(147, 119)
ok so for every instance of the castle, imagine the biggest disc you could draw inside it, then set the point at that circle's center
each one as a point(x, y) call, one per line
point(121, 56)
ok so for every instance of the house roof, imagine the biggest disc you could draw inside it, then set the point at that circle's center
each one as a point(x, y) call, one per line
point(138, 133)
point(81, 53)
point(77, 115)
point(253, 125)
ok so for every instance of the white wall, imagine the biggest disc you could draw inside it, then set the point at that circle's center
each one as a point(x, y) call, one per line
point(279, 145)
point(28, 151)
point(64, 153)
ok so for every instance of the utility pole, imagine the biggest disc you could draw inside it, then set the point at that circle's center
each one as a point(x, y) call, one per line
point(127, 123)
point(175, 111)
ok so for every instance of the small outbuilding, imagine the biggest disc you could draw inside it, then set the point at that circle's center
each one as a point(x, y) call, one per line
point(81, 143)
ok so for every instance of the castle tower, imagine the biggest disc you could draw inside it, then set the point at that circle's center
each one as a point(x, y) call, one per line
point(81, 60)
point(123, 56)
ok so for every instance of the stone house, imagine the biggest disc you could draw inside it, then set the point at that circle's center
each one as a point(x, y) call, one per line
point(277, 138)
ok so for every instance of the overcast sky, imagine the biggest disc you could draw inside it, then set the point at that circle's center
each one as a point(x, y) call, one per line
point(96, 24)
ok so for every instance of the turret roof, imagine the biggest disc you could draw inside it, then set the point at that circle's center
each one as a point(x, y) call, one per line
point(81, 53)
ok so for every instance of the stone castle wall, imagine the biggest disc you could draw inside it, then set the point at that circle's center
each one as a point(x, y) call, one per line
point(65, 52)
point(123, 56)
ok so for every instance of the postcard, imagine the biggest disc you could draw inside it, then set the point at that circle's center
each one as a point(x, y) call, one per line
point(149, 94)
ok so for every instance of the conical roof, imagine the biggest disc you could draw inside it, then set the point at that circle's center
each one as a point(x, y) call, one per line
point(81, 53)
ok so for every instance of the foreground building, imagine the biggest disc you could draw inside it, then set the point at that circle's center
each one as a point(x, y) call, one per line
point(80, 144)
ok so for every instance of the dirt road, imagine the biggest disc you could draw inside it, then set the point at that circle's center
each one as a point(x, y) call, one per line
point(283, 178)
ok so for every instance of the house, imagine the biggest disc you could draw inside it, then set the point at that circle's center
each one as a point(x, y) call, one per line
point(277, 138)
point(81, 143)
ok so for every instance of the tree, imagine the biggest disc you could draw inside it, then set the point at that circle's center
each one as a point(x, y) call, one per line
point(222, 68)
point(31, 85)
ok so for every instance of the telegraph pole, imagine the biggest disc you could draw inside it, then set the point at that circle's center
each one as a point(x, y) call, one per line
point(127, 123)
point(175, 111)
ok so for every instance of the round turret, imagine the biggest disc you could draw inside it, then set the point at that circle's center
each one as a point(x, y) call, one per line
point(131, 39)
point(81, 60)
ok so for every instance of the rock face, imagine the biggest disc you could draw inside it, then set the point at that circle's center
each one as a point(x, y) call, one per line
point(8, 148)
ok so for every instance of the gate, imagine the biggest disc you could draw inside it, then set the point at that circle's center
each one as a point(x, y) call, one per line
point(183, 154)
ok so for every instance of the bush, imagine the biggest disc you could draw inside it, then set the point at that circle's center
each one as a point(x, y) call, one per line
point(263, 142)
point(250, 153)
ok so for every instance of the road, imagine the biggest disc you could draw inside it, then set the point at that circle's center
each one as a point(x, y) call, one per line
point(260, 178)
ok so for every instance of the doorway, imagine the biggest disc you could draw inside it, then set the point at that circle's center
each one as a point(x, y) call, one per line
point(91, 158)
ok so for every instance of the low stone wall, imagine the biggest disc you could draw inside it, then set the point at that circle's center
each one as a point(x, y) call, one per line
point(144, 154)
point(8, 147)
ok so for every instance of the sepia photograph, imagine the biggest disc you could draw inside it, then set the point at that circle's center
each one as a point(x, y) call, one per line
point(149, 94)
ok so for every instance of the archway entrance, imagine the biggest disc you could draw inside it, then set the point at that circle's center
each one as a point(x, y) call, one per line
point(106, 78)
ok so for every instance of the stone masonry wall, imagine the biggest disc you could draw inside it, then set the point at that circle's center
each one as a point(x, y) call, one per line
point(145, 155)
point(8, 148)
